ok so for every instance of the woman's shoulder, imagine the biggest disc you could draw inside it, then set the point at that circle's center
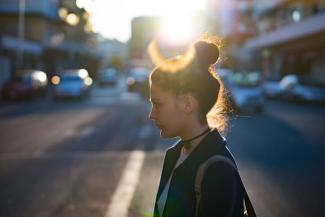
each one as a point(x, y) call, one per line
point(220, 165)
point(220, 171)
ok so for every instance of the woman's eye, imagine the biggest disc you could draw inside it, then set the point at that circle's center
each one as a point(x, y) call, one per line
point(155, 104)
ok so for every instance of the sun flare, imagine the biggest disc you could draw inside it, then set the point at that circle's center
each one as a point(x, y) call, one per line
point(113, 18)
point(177, 29)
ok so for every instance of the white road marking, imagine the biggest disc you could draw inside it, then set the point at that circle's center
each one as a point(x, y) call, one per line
point(123, 194)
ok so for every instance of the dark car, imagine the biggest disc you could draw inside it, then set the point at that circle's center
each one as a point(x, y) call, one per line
point(25, 84)
point(137, 81)
point(108, 76)
point(271, 88)
point(302, 89)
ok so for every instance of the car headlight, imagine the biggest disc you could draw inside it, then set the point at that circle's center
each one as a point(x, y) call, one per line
point(130, 81)
point(88, 81)
point(55, 80)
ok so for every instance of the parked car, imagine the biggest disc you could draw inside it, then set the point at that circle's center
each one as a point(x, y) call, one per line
point(244, 92)
point(25, 84)
point(108, 76)
point(272, 88)
point(302, 89)
point(221, 72)
point(74, 83)
point(308, 93)
point(137, 81)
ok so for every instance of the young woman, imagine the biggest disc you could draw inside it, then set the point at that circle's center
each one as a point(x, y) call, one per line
point(187, 102)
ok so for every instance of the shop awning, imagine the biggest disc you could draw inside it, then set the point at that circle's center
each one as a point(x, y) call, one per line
point(12, 43)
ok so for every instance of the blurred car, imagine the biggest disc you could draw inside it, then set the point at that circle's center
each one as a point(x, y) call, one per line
point(272, 88)
point(108, 77)
point(302, 89)
point(25, 84)
point(221, 72)
point(287, 84)
point(74, 83)
point(137, 81)
point(307, 93)
point(244, 91)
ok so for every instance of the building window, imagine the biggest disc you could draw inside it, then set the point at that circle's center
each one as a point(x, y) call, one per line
point(296, 15)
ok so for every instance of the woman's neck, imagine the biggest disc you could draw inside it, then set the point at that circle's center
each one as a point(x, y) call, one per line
point(193, 132)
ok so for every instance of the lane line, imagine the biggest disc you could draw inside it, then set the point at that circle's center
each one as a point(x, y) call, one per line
point(123, 194)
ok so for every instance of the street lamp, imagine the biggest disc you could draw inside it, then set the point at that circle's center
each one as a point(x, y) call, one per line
point(21, 32)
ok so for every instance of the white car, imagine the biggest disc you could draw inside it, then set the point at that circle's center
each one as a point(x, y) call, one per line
point(244, 92)
point(71, 84)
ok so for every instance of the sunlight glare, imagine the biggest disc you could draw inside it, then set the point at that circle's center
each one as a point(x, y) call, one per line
point(177, 29)
point(113, 18)
point(88, 5)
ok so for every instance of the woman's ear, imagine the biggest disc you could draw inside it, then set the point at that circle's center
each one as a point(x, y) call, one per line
point(188, 103)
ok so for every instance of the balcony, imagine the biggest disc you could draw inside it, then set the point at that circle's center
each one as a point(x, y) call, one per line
point(306, 27)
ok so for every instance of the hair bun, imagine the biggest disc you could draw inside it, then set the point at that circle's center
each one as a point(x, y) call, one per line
point(207, 53)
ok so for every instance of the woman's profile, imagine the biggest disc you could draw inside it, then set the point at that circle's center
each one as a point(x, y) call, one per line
point(188, 102)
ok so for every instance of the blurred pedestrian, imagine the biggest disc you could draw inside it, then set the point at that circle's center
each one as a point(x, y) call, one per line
point(188, 102)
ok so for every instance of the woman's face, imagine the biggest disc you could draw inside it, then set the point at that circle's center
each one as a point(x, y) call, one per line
point(166, 112)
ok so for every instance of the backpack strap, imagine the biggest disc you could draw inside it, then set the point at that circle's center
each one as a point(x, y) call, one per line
point(250, 212)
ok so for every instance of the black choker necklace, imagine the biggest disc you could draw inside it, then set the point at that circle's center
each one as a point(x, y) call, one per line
point(187, 143)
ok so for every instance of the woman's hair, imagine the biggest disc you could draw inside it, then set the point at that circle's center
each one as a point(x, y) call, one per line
point(193, 73)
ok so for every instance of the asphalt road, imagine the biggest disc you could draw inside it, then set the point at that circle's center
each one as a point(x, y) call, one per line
point(282, 155)
point(66, 158)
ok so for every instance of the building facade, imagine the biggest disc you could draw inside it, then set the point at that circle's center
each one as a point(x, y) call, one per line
point(42, 34)
point(290, 39)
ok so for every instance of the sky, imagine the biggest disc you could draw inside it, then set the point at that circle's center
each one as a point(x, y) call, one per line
point(112, 18)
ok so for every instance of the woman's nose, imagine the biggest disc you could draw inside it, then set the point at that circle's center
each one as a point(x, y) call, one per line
point(152, 114)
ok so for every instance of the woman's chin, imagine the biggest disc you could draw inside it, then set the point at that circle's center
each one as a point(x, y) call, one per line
point(166, 135)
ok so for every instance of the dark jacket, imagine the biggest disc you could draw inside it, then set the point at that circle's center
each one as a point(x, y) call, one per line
point(222, 194)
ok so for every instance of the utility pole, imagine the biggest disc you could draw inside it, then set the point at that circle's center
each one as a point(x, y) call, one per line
point(21, 33)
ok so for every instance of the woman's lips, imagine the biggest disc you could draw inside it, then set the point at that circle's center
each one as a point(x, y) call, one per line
point(158, 124)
